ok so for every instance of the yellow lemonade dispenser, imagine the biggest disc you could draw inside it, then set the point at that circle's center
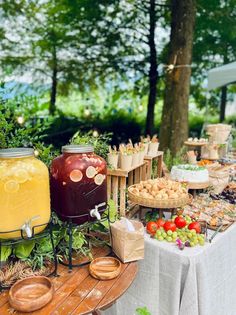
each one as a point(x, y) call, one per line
point(24, 193)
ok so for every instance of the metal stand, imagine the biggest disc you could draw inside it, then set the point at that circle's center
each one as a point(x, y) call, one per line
point(12, 242)
point(70, 226)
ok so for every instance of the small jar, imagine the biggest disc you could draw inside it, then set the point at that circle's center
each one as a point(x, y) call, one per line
point(24, 193)
point(78, 184)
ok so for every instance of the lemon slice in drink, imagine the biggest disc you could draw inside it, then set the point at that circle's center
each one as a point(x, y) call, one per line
point(91, 172)
point(21, 176)
point(11, 186)
point(76, 176)
point(99, 178)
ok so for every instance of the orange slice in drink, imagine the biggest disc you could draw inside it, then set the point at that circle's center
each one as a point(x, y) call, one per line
point(21, 176)
point(11, 186)
point(76, 176)
point(99, 178)
point(91, 172)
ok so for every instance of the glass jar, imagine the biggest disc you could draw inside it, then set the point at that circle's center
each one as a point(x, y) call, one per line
point(24, 192)
point(78, 184)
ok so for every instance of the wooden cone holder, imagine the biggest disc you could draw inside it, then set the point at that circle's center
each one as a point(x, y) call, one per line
point(119, 180)
point(158, 158)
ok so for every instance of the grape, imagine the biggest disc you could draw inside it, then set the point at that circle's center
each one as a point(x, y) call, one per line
point(169, 239)
point(158, 233)
point(189, 235)
point(169, 232)
point(192, 244)
point(175, 234)
point(160, 238)
point(164, 234)
point(201, 242)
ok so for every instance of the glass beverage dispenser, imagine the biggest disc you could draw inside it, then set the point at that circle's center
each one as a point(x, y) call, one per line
point(24, 192)
point(78, 184)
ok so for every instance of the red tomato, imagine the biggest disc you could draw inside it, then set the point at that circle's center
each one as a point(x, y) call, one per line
point(169, 225)
point(160, 222)
point(195, 226)
point(180, 222)
point(152, 227)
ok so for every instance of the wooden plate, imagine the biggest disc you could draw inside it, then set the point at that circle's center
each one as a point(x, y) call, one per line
point(198, 185)
point(195, 144)
point(105, 268)
point(31, 294)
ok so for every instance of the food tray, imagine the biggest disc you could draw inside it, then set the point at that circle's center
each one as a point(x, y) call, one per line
point(195, 144)
point(162, 204)
point(224, 227)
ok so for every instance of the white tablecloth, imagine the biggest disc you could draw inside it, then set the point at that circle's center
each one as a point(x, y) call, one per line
point(195, 281)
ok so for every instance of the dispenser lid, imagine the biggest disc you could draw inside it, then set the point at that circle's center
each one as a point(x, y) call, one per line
point(16, 152)
point(80, 148)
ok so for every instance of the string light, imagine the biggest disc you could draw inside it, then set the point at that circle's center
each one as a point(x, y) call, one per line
point(20, 120)
point(87, 112)
point(36, 153)
point(95, 133)
point(140, 108)
point(171, 67)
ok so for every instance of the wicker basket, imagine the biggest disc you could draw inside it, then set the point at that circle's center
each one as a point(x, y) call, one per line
point(161, 204)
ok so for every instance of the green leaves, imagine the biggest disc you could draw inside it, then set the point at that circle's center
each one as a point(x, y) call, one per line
point(142, 311)
point(113, 214)
point(24, 249)
point(5, 253)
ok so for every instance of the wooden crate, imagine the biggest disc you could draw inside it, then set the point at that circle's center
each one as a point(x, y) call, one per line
point(150, 161)
point(119, 180)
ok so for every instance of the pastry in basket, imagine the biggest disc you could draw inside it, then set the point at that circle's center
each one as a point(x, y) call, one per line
point(159, 189)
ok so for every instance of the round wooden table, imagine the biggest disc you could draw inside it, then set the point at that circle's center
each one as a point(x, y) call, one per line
point(77, 293)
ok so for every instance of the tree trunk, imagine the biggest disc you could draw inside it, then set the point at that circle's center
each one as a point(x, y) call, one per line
point(53, 94)
point(153, 74)
point(174, 124)
point(223, 103)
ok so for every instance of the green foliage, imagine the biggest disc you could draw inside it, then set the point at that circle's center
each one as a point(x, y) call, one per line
point(28, 134)
point(151, 216)
point(214, 45)
point(24, 249)
point(113, 213)
point(5, 253)
point(142, 311)
point(171, 160)
point(100, 142)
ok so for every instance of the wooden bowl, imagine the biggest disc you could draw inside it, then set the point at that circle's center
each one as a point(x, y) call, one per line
point(105, 268)
point(31, 294)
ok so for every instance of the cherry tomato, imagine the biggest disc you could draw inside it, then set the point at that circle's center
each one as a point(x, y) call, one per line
point(151, 227)
point(180, 222)
point(169, 225)
point(195, 226)
point(160, 222)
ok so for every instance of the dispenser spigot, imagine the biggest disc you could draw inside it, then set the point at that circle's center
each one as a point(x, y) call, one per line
point(26, 227)
point(95, 213)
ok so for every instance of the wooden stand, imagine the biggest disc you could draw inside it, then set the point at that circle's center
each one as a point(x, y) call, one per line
point(194, 187)
point(118, 181)
point(150, 162)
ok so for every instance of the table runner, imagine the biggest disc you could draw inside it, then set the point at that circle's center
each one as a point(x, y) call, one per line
point(195, 281)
